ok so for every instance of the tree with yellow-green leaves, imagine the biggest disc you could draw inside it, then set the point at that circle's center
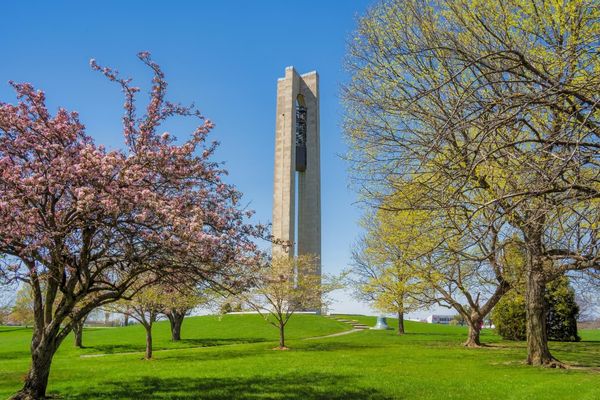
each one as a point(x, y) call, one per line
point(492, 109)
point(453, 262)
point(145, 305)
point(383, 275)
point(21, 312)
point(178, 301)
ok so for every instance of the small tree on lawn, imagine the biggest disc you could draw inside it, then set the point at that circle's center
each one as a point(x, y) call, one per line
point(178, 301)
point(285, 286)
point(383, 277)
point(78, 330)
point(146, 307)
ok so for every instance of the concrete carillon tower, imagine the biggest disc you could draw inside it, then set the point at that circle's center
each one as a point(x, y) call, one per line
point(297, 182)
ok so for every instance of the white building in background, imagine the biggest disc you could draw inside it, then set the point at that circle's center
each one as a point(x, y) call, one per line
point(439, 319)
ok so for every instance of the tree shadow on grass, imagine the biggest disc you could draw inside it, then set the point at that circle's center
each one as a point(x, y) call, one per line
point(182, 344)
point(289, 387)
point(208, 342)
point(13, 355)
point(584, 354)
point(579, 354)
point(331, 345)
point(13, 329)
point(114, 348)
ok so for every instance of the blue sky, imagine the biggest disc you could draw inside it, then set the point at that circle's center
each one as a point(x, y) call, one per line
point(225, 56)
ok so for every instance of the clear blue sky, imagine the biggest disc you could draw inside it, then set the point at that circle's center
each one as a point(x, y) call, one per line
point(225, 56)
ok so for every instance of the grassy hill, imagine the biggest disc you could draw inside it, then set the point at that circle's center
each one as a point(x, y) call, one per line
point(231, 358)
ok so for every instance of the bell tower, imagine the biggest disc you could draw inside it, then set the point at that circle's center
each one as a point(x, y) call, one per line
point(297, 178)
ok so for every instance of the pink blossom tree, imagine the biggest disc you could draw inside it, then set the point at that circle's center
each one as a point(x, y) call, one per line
point(80, 224)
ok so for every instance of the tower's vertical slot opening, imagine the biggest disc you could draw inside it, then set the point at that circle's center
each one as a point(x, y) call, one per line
point(300, 134)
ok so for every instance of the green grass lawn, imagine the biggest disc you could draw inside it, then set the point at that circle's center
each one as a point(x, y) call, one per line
point(232, 358)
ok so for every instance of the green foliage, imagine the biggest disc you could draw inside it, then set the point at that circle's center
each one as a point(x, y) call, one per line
point(229, 306)
point(509, 315)
point(22, 310)
point(562, 311)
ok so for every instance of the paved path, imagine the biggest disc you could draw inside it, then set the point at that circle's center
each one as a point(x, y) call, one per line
point(334, 334)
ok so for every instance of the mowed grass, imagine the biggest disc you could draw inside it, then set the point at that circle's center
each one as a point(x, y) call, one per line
point(232, 358)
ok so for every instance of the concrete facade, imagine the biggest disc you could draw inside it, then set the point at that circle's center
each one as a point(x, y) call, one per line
point(297, 177)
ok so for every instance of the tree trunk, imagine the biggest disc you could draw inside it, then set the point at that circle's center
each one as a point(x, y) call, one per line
point(36, 381)
point(126, 319)
point(538, 352)
point(474, 332)
point(78, 332)
point(148, 354)
point(400, 323)
point(176, 320)
point(281, 336)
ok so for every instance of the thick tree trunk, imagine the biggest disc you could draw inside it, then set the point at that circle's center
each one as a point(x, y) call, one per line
point(36, 381)
point(538, 352)
point(281, 336)
point(126, 319)
point(148, 354)
point(400, 323)
point(78, 332)
point(473, 339)
point(176, 320)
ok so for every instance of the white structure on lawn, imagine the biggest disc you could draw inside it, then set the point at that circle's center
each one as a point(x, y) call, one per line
point(439, 319)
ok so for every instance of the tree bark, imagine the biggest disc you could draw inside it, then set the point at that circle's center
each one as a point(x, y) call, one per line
point(36, 381)
point(281, 336)
point(176, 320)
point(538, 352)
point(78, 332)
point(126, 319)
point(148, 354)
point(400, 323)
point(473, 339)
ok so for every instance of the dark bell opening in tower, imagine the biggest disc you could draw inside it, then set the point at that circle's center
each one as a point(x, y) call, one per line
point(300, 134)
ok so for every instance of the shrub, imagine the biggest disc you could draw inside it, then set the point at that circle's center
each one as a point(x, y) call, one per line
point(509, 315)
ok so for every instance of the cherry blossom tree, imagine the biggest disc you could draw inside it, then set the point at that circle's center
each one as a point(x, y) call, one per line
point(81, 224)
